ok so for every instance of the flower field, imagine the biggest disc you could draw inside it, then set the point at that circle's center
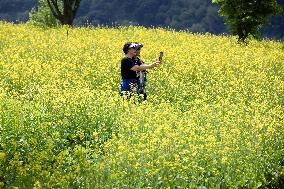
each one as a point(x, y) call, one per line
point(213, 118)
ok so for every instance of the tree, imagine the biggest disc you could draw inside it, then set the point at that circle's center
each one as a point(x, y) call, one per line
point(245, 17)
point(43, 15)
point(70, 7)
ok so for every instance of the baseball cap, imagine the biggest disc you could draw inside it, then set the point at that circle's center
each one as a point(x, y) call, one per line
point(130, 45)
point(139, 45)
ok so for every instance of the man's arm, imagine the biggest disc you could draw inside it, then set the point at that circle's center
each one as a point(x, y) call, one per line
point(145, 66)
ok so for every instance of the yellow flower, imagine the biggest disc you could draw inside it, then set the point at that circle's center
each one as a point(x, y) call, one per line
point(216, 101)
point(37, 185)
point(2, 155)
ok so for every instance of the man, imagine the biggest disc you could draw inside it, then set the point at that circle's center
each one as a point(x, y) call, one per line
point(142, 75)
point(130, 70)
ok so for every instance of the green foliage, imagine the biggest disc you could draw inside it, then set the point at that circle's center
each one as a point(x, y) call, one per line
point(43, 16)
point(245, 17)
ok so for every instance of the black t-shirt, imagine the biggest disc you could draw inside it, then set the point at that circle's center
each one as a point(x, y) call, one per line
point(139, 62)
point(126, 65)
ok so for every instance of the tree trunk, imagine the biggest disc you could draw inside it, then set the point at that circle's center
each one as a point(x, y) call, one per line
point(70, 7)
point(67, 16)
point(242, 33)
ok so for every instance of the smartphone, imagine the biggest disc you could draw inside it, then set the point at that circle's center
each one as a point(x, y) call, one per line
point(161, 56)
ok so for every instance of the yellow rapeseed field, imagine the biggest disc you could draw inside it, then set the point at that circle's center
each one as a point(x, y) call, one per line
point(213, 118)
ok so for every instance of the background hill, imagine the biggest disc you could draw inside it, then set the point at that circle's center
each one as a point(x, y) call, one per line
point(194, 15)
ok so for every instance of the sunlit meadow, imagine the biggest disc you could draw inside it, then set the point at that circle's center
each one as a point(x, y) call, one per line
point(213, 118)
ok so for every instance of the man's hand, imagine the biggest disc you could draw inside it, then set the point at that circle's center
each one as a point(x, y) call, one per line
point(156, 63)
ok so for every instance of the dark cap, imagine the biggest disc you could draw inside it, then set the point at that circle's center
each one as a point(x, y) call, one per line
point(130, 45)
point(139, 45)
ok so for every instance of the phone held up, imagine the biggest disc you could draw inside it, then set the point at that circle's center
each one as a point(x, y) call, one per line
point(161, 56)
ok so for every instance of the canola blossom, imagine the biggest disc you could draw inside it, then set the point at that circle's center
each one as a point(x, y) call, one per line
point(213, 117)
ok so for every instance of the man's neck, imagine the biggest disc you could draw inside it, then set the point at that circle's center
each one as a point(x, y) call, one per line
point(128, 56)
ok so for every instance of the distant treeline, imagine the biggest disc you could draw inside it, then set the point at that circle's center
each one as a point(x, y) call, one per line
point(193, 15)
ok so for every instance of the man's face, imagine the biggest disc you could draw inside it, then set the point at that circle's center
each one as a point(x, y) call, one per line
point(138, 52)
point(132, 51)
